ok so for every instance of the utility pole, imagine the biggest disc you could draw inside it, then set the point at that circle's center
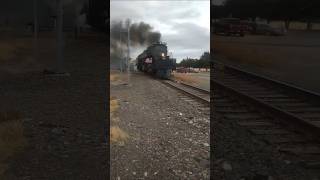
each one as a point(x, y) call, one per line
point(128, 52)
point(59, 36)
point(120, 54)
point(35, 26)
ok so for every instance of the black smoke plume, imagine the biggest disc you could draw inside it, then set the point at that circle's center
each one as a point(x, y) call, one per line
point(141, 35)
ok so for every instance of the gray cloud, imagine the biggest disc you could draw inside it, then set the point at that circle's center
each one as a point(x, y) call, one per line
point(189, 35)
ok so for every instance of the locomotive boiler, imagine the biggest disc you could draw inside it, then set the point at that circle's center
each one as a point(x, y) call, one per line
point(156, 61)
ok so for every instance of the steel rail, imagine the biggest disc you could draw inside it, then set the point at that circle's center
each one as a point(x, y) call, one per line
point(310, 95)
point(185, 91)
point(305, 126)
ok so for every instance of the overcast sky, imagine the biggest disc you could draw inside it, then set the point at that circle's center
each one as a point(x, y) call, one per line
point(184, 25)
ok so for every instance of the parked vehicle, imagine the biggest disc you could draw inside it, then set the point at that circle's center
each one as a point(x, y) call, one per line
point(229, 26)
point(248, 25)
point(265, 29)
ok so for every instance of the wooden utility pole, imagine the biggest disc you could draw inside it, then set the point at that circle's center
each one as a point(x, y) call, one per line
point(120, 54)
point(128, 52)
point(60, 36)
point(36, 28)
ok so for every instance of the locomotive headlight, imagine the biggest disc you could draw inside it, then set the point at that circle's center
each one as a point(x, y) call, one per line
point(162, 55)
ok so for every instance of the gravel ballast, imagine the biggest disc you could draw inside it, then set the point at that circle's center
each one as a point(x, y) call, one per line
point(239, 155)
point(168, 136)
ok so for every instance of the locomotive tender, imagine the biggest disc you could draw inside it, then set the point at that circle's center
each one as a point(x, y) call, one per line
point(155, 60)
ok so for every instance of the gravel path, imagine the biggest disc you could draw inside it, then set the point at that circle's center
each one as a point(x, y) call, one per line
point(66, 117)
point(168, 136)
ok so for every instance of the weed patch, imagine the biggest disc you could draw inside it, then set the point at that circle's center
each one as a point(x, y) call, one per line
point(184, 78)
point(12, 138)
point(118, 136)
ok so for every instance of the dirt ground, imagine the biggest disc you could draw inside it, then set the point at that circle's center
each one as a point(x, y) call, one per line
point(157, 134)
point(293, 58)
point(201, 80)
point(63, 117)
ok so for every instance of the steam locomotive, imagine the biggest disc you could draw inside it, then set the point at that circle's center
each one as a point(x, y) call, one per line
point(155, 60)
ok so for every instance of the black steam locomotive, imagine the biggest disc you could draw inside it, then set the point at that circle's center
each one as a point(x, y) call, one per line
point(155, 60)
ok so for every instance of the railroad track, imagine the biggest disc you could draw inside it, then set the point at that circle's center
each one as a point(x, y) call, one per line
point(196, 93)
point(279, 113)
point(196, 97)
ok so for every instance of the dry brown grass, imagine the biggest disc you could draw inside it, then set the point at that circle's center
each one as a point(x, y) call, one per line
point(114, 77)
point(247, 54)
point(9, 115)
point(114, 105)
point(12, 139)
point(183, 77)
point(10, 47)
point(7, 51)
point(118, 136)
point(114, 119)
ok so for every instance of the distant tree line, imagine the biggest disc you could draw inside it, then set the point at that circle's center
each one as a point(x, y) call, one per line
point(284, 10)
point(202, 62)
